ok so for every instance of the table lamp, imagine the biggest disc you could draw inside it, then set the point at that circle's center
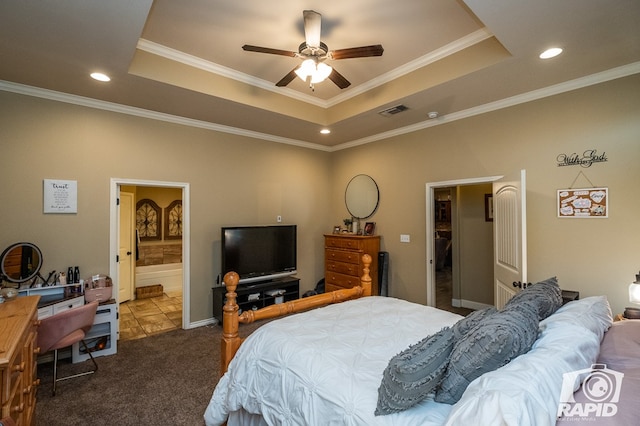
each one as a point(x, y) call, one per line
point(634, 297)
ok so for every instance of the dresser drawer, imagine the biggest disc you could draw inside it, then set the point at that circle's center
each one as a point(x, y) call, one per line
point(342, 280)
point(342, 242)
point(342, 256)
point(343, 268)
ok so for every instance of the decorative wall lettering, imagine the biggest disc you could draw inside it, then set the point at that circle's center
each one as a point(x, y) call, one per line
point(583, 203)
point(587, 158)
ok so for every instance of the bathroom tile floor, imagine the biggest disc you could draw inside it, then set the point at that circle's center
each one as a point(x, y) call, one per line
point(144, 317)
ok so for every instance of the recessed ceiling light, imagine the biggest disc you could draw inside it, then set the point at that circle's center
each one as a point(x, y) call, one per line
point(100, 76)
point(550, 53)
point(433, 114)
point(325, 131)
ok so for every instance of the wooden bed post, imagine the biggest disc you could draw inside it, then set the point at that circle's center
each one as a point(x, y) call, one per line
point(365, 280)
point(230, 338)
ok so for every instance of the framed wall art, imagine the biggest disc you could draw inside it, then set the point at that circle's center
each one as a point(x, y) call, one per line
point(583, 203)
point(173, 221)
point(60, 196)
point(148, 215)
point(488, 207)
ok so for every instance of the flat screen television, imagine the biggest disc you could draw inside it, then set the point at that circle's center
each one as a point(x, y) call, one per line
point(259, 253)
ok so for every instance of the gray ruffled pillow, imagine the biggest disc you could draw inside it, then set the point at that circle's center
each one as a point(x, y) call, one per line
point(495, 341)
point(414, 373)
point(545, 295)
point(466, 324)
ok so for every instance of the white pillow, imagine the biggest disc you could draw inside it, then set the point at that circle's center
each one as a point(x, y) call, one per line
point(527, 390)
point(592, 313)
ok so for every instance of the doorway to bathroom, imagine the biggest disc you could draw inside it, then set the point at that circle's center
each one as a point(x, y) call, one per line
point(157, 299)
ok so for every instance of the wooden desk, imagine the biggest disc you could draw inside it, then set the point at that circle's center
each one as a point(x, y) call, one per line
point(18, 340)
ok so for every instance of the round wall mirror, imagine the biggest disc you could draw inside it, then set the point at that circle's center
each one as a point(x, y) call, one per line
point(20, 262)
point(362, 196)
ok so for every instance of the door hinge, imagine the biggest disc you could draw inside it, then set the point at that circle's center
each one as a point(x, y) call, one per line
point(118, 201)
point(117, 258)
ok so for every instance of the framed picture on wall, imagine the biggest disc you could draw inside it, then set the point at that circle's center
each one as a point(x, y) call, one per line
point(488, 207)
point(148, 217)
point(173, 221)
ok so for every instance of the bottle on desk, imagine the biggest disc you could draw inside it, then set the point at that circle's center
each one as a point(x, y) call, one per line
point(70, 279)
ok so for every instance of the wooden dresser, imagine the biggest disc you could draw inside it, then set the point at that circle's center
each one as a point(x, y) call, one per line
point(18, 341)
point(343, 260)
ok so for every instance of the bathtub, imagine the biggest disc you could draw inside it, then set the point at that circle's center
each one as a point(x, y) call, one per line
point(169, 275)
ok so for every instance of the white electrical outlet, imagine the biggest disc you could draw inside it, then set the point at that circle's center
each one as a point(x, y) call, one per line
point(279, 218)
point(405, 238)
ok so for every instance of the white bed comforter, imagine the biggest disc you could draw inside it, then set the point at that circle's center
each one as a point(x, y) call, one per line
point(277, 373)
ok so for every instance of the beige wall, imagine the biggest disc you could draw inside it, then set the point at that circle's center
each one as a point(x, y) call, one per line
point(238, 180)
point(233, 180)
point(594, 256)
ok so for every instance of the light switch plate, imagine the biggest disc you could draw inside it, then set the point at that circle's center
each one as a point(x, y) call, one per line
point(405, 238)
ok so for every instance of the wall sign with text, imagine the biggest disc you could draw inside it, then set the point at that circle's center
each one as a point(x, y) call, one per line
point(586, 159)
point(583, 203)
point(60, 196)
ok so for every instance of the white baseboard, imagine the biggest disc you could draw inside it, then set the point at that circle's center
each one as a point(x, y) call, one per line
point(201, 323)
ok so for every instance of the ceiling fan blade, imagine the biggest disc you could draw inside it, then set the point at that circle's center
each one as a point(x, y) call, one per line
point(287, 78)
point(259, 49)
point(338, 79)
point(357, 52)
point(312, 27)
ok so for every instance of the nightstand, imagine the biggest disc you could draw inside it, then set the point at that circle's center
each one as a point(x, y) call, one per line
point(569, 296)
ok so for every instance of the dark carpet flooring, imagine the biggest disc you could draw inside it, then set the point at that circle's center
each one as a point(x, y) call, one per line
point(166, 379)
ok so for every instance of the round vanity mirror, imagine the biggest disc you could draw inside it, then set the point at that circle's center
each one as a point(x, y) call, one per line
point(362, 196)
point(20, 262)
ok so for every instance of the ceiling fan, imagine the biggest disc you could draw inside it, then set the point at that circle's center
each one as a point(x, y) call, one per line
point(314, 53)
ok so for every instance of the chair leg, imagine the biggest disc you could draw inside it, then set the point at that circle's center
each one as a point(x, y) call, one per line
point(55, 372)
point(55, 368)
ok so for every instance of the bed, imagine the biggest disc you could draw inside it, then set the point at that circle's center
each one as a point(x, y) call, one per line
point(328, 365)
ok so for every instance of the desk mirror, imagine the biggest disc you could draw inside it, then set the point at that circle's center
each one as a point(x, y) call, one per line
point(362, 196)
point(20, 262)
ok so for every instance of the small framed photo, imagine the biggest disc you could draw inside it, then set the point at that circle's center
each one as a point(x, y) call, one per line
point(336, 229)
point(369, 228)
point(488, 207)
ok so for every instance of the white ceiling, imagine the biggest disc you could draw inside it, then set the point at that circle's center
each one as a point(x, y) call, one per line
point(182, 60)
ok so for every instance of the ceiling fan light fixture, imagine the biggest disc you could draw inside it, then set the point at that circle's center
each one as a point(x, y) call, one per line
point(317, 71)
point(307, 68)
point(321, 73)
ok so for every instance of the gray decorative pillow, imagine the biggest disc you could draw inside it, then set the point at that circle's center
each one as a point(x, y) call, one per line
point(414, 373)
point(466, 324)
point(496, 340)
point(546, 295)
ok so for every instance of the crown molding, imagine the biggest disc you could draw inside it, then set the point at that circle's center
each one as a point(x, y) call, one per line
point(451, 48)
point(196, 62)
point(604, 76)
point(567, 86)
point(144, 113)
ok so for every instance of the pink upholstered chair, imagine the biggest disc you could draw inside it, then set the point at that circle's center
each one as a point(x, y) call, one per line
point(63, 330)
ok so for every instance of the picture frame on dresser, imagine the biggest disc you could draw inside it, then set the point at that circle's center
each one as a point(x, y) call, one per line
point(369, 228)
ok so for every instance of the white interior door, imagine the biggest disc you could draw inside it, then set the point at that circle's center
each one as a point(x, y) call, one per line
point(126, 250)
point(510, 236)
